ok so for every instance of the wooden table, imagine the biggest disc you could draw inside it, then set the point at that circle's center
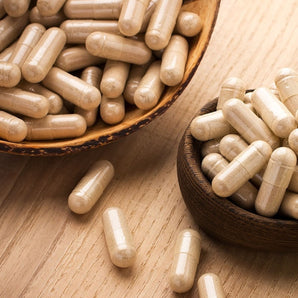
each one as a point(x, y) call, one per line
point(46, 251)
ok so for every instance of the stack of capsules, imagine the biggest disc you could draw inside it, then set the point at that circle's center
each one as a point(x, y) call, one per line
point(63, 63)
point(250, 145)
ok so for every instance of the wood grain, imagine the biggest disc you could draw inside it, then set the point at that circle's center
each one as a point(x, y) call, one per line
point(46, 251)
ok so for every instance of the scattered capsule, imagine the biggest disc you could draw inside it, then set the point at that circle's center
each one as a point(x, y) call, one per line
point(112, 110)
point(10, 74)
point(210, 286)
point(51, 21)
point(293, 140)
point(185, 262)
point(211, 146)
point(91, 186)
point(118, 238)
point(293, 186)
point(16, 8)
point(188, 23)
point(6, 54)
point(49, 8)
point(289, 205)
point(276, 179)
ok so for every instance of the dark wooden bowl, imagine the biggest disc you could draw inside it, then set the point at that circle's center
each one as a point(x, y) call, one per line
point(102, 134)
point(221, 218)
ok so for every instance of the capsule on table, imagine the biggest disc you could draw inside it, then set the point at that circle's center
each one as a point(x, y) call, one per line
point(49, 8)
point(293, 186)
point(22, 102)
point(91, 186)
point(149, 11)
point(211, 146)
point(293, 140)
point(118, 237)
point(276, 179)
point(10, 74)
point(16, 8)
point(12, 128)
point(174, 61)
point(210, 286)
point(51, 21)
point(242, 168)
point(185, 260)
point(112, 110)
point(286, 82)
point(119, 48)
point(6, 54)
point(162, 23)
point(289, 205)
point(188, 23)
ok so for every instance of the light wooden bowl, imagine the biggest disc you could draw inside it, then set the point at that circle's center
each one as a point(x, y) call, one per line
point(102, 134)
point(221, 218)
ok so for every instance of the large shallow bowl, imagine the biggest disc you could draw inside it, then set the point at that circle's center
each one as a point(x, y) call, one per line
point(220, 217)
point(102, 134)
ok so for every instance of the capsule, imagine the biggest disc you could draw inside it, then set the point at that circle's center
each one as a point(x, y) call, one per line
point(54, 127)
point(231, 88)
point(93, 9)
point(162, 24)
point(16, 8)
point(91, 186)
point(12, 128)
point(150, 88)
point(293, 140)
point(115, 47)
point(149, 11)
point(211, 146)
point(6, 54)
point(49, 8)
point(245, 196)
point(55, 101)
point(22, 102)
point(43, 55)
point(273, 112)
point(210, 126)
point(286, 82)
point(188, 24)
point(77, 31)
point(174, 61)
point(276, 179)
point(112, 110)
point(210, 286)
point(242, 168)
point(293, 186)
point(289, 205)
point(185, 261)
point(10, 74)
point(11, 28)
point(72, 88)
point(75, 58)
point(118, 237)
point(248, 124)
point(51, 21)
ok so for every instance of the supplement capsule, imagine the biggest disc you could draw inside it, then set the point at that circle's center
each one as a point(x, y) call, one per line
point(174, 61)
point(188, 24)
point(54, 127)
point(211, 146)
point(150, 88)
point(43, 55)
point(12, 128)
point(162, 23)
point(248, 124)
point(16, 8)
point(10, 74)
point(115, 47)
point(293, 186)
point(210, 126)
point(293, 140)
point(242, 168)
point(72, 89)
point(118, 238)
point(231, 88)
point(22, 102)
point(185, 262)
point(276, 179)
point(286, 82)
point(149, 11)
point(49, 8)
point(51, 21)
point(91, 186)
point(289, 205)
point(6, 54)
point(210, 286)
point(112, 110)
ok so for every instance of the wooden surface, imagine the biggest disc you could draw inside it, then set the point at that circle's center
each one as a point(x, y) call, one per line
point(46, 251)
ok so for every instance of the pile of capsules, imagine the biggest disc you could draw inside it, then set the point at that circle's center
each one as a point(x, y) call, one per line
point(140, 46)
point(250, 145)
point(120, 243)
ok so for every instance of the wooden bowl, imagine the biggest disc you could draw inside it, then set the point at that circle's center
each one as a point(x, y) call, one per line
point(221, 218)
point(101, 134)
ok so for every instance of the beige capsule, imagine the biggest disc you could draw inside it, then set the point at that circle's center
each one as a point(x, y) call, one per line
point(119, 48)
point(10, 74)
point(77, 31)
point(242, 168)
point(276, 179)
point(16, 8)
point(247, 123)
point(54, 127)
point(51, 21)
point(118, 237)
point(162, 23)
point(11, 28)
point(12, 128)
point(112, 110)
point(210, 286)
point(6, 54)
point(245, 196)
point(72, 88)
point(185, 260)
point(286, 82)
point(174, 61)
point(211, 146)
point(293, 140)
point(293, 186)
point(188, 23)
point(18, 101)
point(49, 8)
point(273, 112)
point(91, 186)
point(150, 88)
point(289, 205)
point(149, 11)
point(93, 9)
